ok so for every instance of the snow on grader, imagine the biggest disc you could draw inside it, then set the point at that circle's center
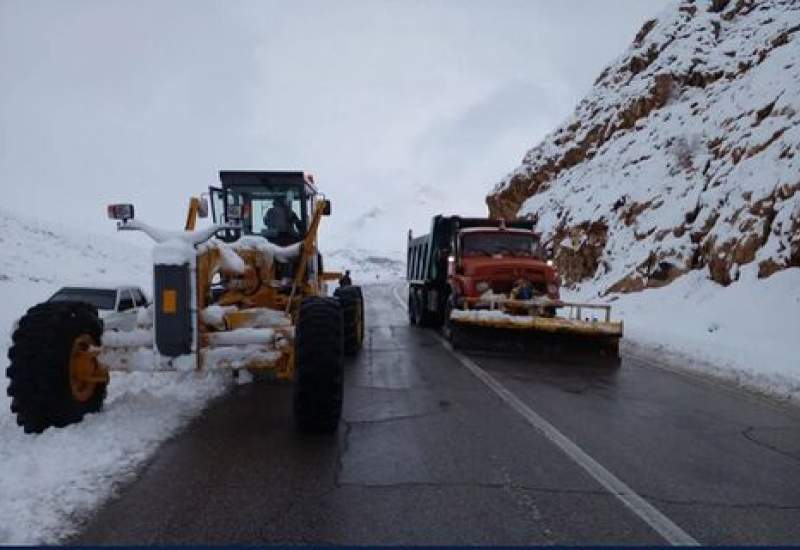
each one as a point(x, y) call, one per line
point(246, 294)
point(476, 277)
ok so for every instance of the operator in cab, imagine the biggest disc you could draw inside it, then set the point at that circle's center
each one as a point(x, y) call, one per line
point(282, 224)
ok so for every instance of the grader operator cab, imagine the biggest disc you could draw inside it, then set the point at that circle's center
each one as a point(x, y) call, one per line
point(246, 294)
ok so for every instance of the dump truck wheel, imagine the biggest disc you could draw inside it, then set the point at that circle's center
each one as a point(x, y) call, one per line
point(450, 330)
point(412, 307)
point(319, 382)
point(51, 346)
point(352, 302)
point(424, 317)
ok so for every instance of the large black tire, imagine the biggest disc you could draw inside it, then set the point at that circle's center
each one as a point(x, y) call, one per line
point(412, 307)
point(451, 331)
point(39, 375)
point(426, 318)
point(319, 381)
point(352, 302)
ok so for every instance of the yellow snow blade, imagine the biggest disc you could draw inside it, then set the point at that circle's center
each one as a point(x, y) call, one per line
point(507, 313)
point(556, 325)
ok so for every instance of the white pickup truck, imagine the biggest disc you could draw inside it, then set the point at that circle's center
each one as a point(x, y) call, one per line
point(117, 307)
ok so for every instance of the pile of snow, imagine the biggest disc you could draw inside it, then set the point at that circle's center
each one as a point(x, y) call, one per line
point(50, 481)
point(673, 191)
point(746, 333)
point(367, 266)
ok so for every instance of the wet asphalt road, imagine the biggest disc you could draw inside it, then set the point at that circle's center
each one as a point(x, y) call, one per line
point(428, 454)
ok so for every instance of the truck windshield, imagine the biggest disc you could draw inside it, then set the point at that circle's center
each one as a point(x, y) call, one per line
point(493, 243)
point(99, 298)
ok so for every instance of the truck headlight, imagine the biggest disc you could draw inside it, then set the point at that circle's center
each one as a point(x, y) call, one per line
point(482, 286)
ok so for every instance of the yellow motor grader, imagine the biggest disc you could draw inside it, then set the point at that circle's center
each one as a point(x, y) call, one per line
point(247, 294)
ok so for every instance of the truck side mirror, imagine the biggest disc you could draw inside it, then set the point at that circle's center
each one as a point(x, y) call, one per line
point(326, 207)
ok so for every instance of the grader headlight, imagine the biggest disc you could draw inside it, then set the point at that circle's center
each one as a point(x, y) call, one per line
point(122, 212)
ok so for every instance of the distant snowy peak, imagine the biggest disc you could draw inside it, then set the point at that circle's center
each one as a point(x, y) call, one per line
point(365, 266)
point(47, 253)
point(683, 156)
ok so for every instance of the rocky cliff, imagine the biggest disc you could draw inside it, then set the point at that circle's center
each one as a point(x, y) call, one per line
point(685, 154)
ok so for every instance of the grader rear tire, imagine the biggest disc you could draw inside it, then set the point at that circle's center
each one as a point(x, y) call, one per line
point(319, 382)
point(352, 301)
point(43, 386)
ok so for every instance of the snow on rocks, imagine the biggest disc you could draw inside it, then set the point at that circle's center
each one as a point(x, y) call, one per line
point(673, 191)
point(684, 156)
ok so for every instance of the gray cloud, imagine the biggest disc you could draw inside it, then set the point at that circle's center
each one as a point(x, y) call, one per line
point(402, 108)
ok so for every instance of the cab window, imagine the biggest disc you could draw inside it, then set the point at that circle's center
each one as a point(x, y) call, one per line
point(271, 209)
point(125, 301)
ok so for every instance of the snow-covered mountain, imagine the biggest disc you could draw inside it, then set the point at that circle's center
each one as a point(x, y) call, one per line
point(38, 256)
point(367, 266)
point(684, 156)
point(673, 191)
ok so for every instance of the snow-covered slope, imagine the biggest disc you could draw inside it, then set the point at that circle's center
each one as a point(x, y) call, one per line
point(367, 266)
point(683, 156)
point(678, 176)
point(48, 482)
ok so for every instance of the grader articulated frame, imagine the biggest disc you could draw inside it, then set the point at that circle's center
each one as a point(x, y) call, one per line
point(225, 297)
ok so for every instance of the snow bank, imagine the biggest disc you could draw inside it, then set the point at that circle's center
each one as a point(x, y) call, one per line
point(747, 333)
point(48, 482)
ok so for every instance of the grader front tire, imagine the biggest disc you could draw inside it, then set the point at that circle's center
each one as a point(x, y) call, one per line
point(50, 351)
point(319, 349)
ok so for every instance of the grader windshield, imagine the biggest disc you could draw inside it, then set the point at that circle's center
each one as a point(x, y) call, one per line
point(274, 205)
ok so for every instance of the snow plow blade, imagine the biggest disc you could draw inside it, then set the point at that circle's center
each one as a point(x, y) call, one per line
point(570, 330)
point(556, 325)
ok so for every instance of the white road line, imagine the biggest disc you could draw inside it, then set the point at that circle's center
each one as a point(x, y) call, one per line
point(648, 513)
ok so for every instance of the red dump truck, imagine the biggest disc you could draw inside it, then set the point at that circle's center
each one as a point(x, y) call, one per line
point(481, 272)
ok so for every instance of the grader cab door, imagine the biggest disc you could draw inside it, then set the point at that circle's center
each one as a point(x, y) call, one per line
point(217, 204)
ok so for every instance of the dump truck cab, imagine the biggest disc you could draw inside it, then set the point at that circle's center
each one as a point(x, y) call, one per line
point(485, 273)
point(449, 260)
point(274, 205)
point(498, 260)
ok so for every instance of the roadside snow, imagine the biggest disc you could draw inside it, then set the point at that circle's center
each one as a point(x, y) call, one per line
point(49, 482)
point(747, 333)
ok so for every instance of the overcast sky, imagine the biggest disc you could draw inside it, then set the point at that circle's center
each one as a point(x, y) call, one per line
point(402, 109)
